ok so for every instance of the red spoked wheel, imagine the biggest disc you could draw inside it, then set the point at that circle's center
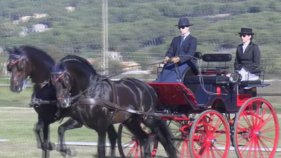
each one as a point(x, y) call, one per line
point(209, 136)
point(180, 131)
point(129, 146)
point(256, 130)
point(182, 147)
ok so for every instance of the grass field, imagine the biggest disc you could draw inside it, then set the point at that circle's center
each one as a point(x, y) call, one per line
point(17, 127)
point(17, 122)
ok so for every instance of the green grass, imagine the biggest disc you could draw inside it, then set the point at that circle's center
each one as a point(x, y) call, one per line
point(8, 98)
point(17, 126)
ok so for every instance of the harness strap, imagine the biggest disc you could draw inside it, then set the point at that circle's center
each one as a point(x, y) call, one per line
point(114, 91)
point(109, 105)
point(37, 102)
point(114, 95)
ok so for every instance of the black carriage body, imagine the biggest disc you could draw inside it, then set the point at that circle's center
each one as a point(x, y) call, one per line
point(198, 93)
point(215, 92)
point(211, 88)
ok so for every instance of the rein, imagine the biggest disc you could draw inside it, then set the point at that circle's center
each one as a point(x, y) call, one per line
point(61, 74)
point(78, 95)
point(120, 72)
point(36, 102)
point(84, 91)
point(110, 105)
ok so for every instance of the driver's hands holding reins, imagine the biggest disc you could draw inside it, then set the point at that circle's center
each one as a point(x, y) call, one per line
point(173, 60)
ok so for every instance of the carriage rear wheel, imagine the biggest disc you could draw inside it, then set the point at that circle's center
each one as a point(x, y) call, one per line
point(129, 146)
point(256, 130)
point(209, 136)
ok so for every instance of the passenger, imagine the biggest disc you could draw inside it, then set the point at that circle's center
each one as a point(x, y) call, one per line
point(179, 55)
point(247, 60)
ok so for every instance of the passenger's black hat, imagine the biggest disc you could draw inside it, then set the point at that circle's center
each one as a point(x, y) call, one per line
point(183, 22)
point(247, 31)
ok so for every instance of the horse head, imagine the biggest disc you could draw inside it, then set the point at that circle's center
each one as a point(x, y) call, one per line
point(62, 82)
point(71, 78)
point(19, 66)
point(28, 62)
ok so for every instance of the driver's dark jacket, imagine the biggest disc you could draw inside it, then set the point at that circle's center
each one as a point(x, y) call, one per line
point(250, 59)
point(186, 51)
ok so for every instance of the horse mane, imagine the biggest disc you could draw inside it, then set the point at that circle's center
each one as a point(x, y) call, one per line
point(35, 54)
point(75, 58)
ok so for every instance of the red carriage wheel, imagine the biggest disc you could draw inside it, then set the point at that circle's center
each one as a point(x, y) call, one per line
point(129, 146)
point(180, 130)
point(256, 130)
point(182, 147)
point(209, 136)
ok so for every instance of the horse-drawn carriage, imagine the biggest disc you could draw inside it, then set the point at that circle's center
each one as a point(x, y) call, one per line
point(209, 111)
point(212, 110)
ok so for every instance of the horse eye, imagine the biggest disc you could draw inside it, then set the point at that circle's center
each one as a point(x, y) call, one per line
point(66, 82)
point(9, 67)
point(20, 65)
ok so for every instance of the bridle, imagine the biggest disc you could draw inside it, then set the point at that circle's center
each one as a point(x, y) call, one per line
point(17, 60)
point(16, 65)
point(60, 77)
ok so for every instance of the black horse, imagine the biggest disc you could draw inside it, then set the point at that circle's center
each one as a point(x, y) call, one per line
point(98, 102)
point(28, 61)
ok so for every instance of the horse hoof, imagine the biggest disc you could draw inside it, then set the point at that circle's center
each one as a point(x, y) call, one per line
point(48, 146)
point(51, 146)
point(71, 152)
point(67, 152)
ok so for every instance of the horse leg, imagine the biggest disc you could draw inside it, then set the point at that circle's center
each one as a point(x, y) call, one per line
point(40, 138)
point(38, 133)
point(160, 128)
point(112, 136)
point(69, 124)
point(101, 144)
point(47, 146)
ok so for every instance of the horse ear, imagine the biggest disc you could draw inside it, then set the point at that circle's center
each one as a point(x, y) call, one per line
point(8, 50)
point(17, 50)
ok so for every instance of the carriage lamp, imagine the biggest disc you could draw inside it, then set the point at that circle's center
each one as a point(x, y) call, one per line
point(235, 77)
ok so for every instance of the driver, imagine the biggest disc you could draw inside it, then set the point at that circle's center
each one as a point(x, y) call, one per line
point(179, 55)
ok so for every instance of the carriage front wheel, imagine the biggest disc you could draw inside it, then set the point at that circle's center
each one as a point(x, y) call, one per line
point(209, 136)
point(256, 130)
point(129, 146)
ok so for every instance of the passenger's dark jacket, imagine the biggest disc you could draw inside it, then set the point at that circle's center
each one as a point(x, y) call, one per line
point(250, 59)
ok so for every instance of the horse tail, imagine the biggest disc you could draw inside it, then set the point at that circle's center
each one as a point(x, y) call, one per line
point(163, 134)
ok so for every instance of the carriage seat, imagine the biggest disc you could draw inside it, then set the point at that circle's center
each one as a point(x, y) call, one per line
point(222, 57)
point(218, 58)
point(207, 79)
point(254, 83)
point(192, 70)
